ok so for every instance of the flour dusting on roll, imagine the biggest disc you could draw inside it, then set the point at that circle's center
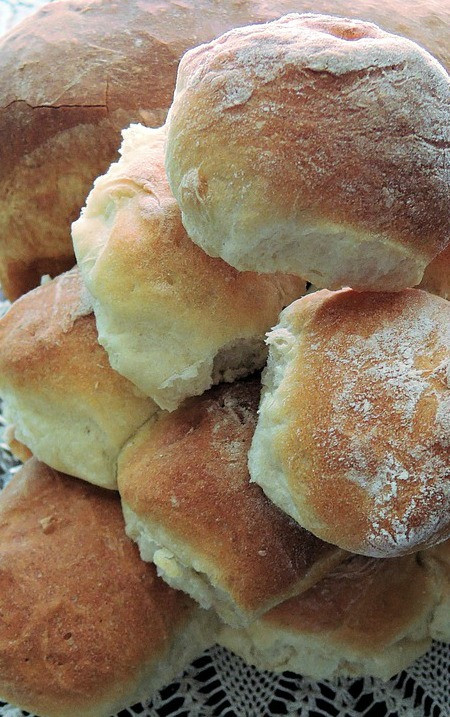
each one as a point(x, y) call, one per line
point(314, 145)
point(353, 433)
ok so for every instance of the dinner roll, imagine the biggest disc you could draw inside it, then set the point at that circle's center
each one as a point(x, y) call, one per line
point(173, 320)
point(314, 145)
point(61, 396)
point(368, 617)
point(353, 433)
point(87, 628)
point(189, 505)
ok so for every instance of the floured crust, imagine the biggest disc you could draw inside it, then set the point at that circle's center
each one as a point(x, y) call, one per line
point(314, 143)
point(87, 627)
point(353, 434)
point(59, 391)
point(172, 319)
point(367, 617)
point(185, 487)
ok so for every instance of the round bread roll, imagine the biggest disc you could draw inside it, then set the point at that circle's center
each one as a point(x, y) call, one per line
point(173, 320)
point(188, 502)
point(72, 77)
point(87, 628)
point(61, 397)
point(314, 145)
point(353, 433)
point(367, 617)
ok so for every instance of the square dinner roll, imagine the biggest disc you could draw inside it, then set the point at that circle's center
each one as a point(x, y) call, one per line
point(86, 627)
point(369, 616)
point(61, 397)
point(353, 433)
point(188, 503)
point(173, 320)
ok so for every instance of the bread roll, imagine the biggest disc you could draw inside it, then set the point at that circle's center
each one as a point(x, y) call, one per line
point(353, 433)
point(87, 628)
point(173, 320)
point(368, 617)
point(189, 505)
point(314, 145)
point(88, 68)
point(61, 396)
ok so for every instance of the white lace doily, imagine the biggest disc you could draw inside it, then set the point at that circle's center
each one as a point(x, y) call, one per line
point(219, 684)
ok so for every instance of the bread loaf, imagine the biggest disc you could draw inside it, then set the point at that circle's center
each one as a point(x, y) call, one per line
point(367, 617)
point(188, 503)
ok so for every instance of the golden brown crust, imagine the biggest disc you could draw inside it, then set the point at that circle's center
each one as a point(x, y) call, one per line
point(138, 256)
point(54, 369)
point(357, 418)
point(69, 120)
point(81, 613)
point(31, 333)
point(365, 603)
point(49, 338)
point(285, 116)
point(188, 473)
point(156, 294)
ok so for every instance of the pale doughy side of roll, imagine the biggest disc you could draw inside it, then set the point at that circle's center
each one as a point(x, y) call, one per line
point(367, 617)
point(182, 568)
point(42, 424)
point(268, 648)
point(173, 320)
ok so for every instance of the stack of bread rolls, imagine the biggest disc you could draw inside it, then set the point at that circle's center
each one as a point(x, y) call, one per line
point(174, 496)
